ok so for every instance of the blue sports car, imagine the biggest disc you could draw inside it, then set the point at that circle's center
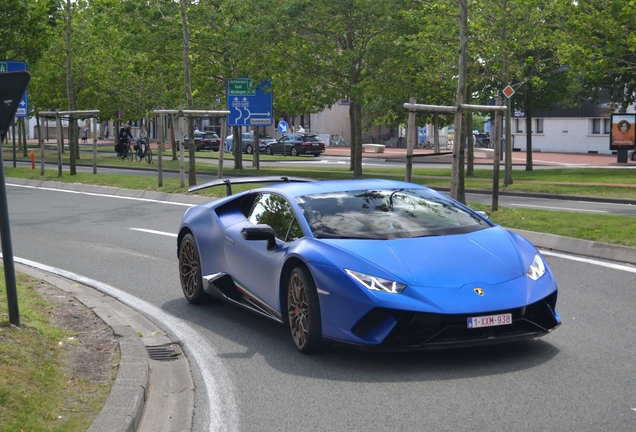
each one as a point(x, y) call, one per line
point(370, 263)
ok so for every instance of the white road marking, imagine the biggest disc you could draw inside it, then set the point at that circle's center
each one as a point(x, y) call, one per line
point(557, 208)
point(102, 195)
point(155, 232)
point(217, 382)
point(591, 261)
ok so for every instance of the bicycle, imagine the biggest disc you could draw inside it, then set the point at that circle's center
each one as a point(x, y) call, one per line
point(401, 142)
point(125, 152)
point(146, 154)
point(337, 142)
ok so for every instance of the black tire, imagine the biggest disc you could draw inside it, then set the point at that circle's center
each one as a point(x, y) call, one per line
point(316, 154)
point(248, 149)
point(268, 150)
point(190, 270)
point(634, 155)
point(149, 156)
point(294, 152)
point(131, 155)
point(303, 312)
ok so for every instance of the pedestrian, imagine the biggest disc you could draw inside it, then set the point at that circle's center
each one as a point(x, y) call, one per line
point(106, 130)
point(229, 141)
point(85, 134)
point(300, 129)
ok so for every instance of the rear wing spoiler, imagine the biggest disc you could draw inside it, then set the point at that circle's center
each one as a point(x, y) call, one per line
point(228, 182)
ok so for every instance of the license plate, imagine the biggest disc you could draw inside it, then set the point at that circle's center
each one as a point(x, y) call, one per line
point(490, 320)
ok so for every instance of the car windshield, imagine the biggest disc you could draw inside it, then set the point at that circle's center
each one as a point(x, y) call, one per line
point(386, 214)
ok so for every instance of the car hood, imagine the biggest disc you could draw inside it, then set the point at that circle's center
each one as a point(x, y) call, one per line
point(487, 256)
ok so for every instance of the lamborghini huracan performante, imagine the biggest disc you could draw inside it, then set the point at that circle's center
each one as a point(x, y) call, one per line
point(370, 263)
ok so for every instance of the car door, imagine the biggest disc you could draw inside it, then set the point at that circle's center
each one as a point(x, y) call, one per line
point(255, 268)
point(277, 146)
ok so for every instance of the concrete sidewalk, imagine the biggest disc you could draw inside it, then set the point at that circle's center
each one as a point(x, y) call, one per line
point(570, 160)
point(154, 390)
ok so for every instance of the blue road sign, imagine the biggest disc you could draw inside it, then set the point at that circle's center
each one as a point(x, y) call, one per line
point(249, 106)
point(283, 127)
point(14, 66)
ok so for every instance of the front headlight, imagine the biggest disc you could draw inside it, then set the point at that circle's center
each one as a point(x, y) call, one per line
point(375, 283)
point(537, 268)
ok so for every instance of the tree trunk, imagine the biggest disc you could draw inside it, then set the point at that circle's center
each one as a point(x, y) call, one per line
point(72, 125)
point(457, 186)
point(506, 80)
point(529, 139)
point(470, 166)
point(236, 147)
point(355, 124)
point(173, 140)
point(192, 175)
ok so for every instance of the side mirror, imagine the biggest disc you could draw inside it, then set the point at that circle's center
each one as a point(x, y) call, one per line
point(260, 232)
point(483, 214)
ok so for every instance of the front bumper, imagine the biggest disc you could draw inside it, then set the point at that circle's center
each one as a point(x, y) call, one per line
point(404, 330)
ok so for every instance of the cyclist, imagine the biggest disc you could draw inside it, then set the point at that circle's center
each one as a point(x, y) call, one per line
point(124, 139)
point(142, 143)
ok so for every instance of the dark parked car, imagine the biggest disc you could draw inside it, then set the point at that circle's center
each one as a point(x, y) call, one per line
point(198, 136)
point(209, 141)
point(296, 144)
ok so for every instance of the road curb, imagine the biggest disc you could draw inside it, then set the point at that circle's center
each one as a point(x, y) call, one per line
point(136, 402)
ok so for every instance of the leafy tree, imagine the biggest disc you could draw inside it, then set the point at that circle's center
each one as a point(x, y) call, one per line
point(599, 46)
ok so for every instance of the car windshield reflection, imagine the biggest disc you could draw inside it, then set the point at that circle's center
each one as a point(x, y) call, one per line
point(386, 214)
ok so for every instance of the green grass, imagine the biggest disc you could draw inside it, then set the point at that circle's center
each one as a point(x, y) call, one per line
point(583, 182)
point(35, 393)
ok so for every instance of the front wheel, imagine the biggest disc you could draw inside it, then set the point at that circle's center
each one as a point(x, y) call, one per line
point(248, 149)
point(190, 270)
point(634, 155)
point(268, 150)
point(303, 312)
point(294, 152)
point(149, 155)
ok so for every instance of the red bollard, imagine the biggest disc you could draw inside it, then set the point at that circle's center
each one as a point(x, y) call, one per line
point(32, 159)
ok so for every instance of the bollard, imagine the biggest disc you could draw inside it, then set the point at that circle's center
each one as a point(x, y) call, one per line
point(32, 159)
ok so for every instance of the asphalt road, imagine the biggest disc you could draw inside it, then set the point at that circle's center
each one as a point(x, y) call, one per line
point(581, 377)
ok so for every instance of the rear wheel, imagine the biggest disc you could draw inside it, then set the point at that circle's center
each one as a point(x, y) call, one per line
point(294, 152)
point(303, 312)
point(248, 149)
point(634, 155)
point(190, 270)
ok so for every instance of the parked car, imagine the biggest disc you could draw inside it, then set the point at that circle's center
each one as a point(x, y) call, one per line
point(247, 145)
point(198, 136)
point(340, 261)
point(209, 141)
point(296, 144)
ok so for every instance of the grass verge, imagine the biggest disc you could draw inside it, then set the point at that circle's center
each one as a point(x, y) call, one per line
point(35, 392)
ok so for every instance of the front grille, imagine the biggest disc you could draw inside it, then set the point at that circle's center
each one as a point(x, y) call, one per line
point(419, 329)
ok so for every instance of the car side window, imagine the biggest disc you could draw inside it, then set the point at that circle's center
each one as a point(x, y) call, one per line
point(275, 211)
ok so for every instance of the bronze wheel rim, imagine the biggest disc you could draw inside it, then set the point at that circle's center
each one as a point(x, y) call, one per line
point(298, 310)
point(189, 268)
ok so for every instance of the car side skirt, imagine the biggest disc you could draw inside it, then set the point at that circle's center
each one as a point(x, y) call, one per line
point(223, 286)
